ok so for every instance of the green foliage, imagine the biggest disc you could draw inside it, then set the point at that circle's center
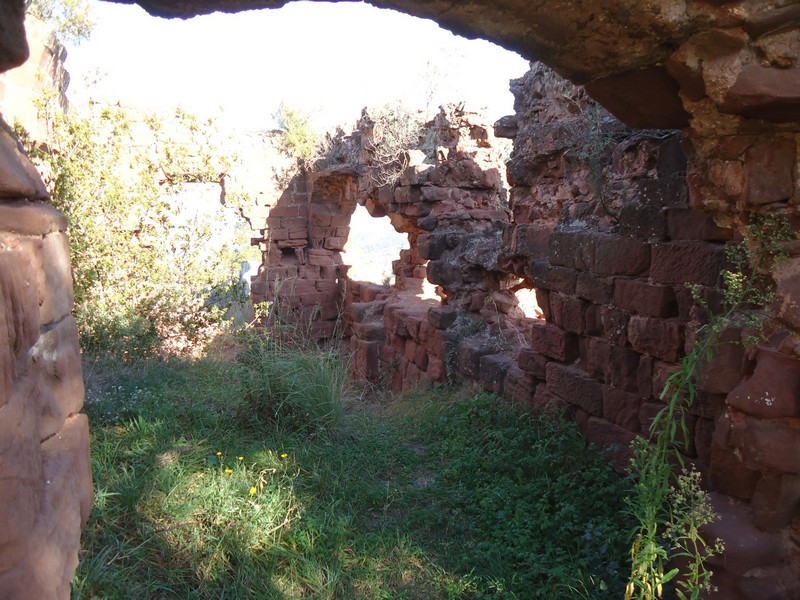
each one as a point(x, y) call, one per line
point(146, 275)
point(71, 19)
point(298, 137)
point(444, 494)
point(295, 389)
point(669, 516)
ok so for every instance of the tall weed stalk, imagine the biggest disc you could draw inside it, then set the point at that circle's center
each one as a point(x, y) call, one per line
point(670, 511)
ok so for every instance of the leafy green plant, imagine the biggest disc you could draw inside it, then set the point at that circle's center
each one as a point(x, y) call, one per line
point(147, 278)
point(665, 529)
point(395, 129)
point(298, 137)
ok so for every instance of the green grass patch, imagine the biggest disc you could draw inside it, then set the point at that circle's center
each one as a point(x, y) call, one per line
point(211, 485)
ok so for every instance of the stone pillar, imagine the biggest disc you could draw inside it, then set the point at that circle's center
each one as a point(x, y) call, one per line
point(45, 474)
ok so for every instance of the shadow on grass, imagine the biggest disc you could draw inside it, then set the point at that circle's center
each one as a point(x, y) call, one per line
point(427, 497)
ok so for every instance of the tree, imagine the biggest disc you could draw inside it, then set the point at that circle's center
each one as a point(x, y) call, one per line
point(146, 275)
point(71, 19)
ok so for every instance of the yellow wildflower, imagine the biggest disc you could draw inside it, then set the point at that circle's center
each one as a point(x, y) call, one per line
point(253, 491)
point(284, 455)
point(229, 470)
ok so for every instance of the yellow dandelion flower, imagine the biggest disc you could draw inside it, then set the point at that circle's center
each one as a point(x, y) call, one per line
point(240, 457)
point(253, 491)
point(219, 453)
point(229, 470)
point(284, 455)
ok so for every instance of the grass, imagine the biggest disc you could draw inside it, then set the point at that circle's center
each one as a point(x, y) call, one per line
point(202, 493)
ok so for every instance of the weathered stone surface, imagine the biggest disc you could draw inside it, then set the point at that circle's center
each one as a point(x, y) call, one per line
point(621, 256)
point(746, 547)
point(765, 93)
point(659, 338)
point(767, 443)
point(554, 342)
point(30, 218)
point(775, 501)
point(689, 224)
point(645, 299)
point(687, 262)
point(621, 408)
point(729, 475)
point(774, 389)
point(493, 370)
point(13, 46)
point(532, 362)
point(769, 169)
point(614, 439)
point(520, 386)
point(57, 358)
point(18, 177)
point(573, 386)
point(787, 277)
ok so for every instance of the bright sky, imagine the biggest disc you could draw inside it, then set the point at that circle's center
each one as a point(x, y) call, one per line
point(332, 60)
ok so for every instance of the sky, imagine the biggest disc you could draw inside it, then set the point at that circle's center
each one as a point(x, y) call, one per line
point(331, 61)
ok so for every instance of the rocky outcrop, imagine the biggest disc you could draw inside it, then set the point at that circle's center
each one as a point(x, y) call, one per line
point(44, 442)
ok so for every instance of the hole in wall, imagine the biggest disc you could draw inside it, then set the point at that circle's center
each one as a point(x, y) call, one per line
point(372, 246)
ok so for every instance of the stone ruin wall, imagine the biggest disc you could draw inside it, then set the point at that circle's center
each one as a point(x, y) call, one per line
point(726, 72)
point(603, 222)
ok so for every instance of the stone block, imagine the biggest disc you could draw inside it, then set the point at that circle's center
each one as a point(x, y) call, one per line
point(621, 256)
point(444, 273)
point(532, 362)
point(492, 372)
point(57, 360)
point(531, 240)
point(574, 249)
point(645, 298)
point(769, 169)
point(19, 314)
point(644, 376)
point(595, 289)
point(690, 224)
point(544, 399)
point(31, 218)
point(767, 443)
point(468, 357)
point(554, 342)
point(787, 278)
point(659, 338)
point(595, 357)
point(568, 312)
point(746, 547)
point(442, 317)
point(437, 370)
point(520, 386)
point(370, 330)
point(431, 246)
point(615, 324)
point(614, 439)
point(775, 501)
point(365, 311)
point(765, 92)
point(593, 317)
point(18, 177)
point(622, 369)
point(573, 386)
point(621, 408)
point(774, 389)
point(678, 263)
point(553, 278)
point(729, 475)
